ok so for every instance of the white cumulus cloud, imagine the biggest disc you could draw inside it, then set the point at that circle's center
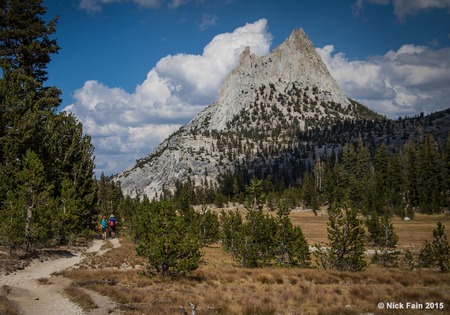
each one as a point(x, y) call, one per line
point(127, 126)
point(403, 82)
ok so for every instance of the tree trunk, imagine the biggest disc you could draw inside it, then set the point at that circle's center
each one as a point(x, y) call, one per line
point(27, 227)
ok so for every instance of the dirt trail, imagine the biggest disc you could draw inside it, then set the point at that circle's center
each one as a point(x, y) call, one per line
point(34, 297)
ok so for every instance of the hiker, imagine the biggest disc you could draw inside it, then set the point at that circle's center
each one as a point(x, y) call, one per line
point(112, 225)
point(104, 227)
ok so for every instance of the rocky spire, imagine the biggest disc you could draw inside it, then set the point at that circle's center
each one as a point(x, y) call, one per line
point(293, 71)
point(295, 60)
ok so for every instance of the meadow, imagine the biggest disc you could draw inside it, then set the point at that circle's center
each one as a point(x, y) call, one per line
point(220, 286)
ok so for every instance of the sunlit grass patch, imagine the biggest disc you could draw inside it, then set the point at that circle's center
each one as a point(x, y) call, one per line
point(259, 308)
point(81, 298)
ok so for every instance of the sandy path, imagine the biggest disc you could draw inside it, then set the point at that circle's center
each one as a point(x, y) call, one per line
point(47, 299)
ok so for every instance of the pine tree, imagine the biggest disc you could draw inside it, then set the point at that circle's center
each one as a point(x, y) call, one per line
point(256, 240)
point(310, 191)
point(363, 189)
point(426, 255)
point(28, 213)
point(103, 194)
point(396, 187)
point(384, 238)
point(208, 227)
point(441, 248)
point(25, 38)
point(446, 171)
point(291, 246)
point(231, 223)
point(25, 49)
point(349, 159)
point(12, 226)
point(408, 260)
point(429, 172)
point(66, 225)
point(341, 182)
point(256, 195)
point(345, 249)
point(381, 167)
point(373, 228)
point(20, 125)
point(165, 240)
point(436, 253)
point(70, 169)
point(410, 168)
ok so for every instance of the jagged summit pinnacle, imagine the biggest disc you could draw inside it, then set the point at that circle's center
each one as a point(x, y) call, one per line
point(298, 35)
point(295, 60)
point(245, 53)
point(302, 43)
point(261, 97)
point(297, 41)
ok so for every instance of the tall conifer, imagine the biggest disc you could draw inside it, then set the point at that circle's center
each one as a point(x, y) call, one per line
point(29, 122)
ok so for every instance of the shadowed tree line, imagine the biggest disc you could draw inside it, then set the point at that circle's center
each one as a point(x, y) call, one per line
point(416, 178)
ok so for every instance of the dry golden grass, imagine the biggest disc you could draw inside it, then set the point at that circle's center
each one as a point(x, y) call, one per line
point(219, 286)
point(78, 296)
point(411, 234)
point(314, 227)
point(123, 258)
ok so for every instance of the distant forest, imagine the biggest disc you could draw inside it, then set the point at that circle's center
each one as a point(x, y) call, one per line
point(415, 178)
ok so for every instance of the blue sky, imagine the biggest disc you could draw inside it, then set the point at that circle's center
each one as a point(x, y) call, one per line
point(134, 71)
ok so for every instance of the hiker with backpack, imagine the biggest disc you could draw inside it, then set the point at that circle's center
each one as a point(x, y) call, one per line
point(104, 227)
point(112, 225)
